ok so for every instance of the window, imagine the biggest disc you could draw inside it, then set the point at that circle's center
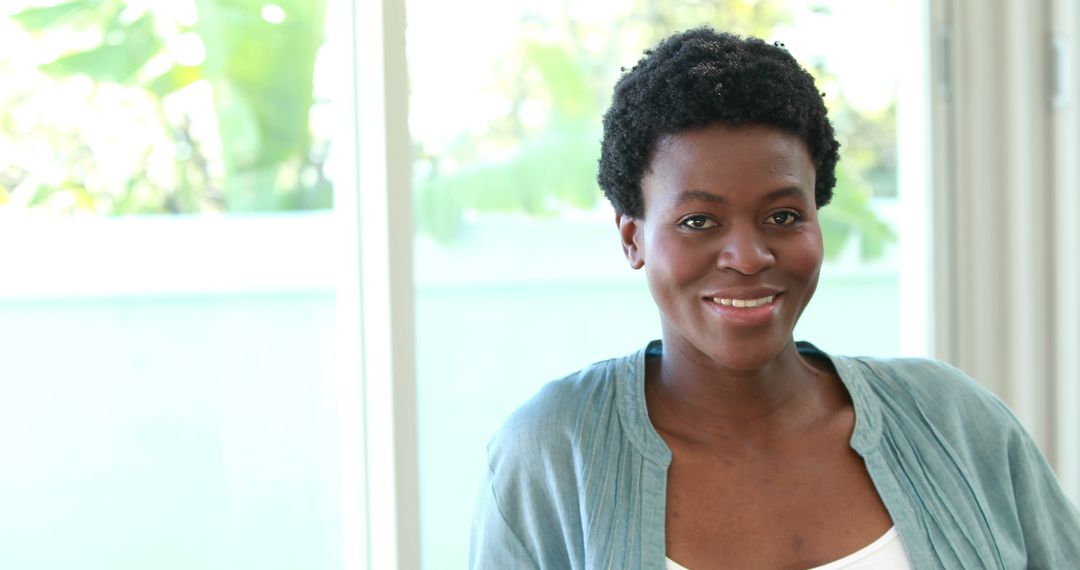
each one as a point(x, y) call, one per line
point(171, 395)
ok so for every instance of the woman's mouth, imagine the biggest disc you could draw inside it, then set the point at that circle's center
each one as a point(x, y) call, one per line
point(756, 311)
point(744, 303)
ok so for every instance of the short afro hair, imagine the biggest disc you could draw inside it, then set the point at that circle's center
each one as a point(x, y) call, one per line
point(700, 77)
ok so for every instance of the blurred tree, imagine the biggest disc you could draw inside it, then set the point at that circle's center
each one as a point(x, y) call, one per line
point(252, 150)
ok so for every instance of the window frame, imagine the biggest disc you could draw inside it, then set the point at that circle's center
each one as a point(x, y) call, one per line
point(377, 291)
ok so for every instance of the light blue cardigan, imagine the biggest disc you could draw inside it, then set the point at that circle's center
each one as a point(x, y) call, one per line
point(577, 476)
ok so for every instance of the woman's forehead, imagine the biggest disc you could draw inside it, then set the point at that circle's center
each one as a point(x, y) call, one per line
point(725, 152)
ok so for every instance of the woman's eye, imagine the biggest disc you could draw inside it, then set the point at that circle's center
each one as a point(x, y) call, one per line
point(784, 218)
point(698, 222)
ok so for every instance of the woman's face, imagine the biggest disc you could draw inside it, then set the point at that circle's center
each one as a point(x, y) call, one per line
point(730, 241)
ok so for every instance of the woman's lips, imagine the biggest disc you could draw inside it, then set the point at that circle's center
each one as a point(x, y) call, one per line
point(748, 303)
point(745, 311)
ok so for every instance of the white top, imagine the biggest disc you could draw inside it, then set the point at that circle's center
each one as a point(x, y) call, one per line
point(885, 553)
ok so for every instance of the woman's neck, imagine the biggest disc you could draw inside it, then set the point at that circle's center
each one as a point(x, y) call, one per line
point(693, 396)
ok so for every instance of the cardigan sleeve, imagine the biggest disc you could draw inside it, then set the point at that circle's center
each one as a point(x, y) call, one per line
point(1049, 521)
point(494, 544)
point(984, 495)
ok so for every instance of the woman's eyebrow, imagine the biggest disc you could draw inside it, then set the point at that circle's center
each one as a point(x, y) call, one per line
point(790, 191)
point(689, 195)
point(699, 195)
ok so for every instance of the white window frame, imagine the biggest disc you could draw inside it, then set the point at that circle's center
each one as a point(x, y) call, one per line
point(378, 215)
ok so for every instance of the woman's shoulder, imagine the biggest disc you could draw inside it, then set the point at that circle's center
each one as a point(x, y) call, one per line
point(954, 438)
point(530, 502)
point(921, 374)
point(554, 420)
point(921, 395)
point(926, 382)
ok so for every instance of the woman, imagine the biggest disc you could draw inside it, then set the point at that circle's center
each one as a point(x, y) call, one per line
point(728, 445)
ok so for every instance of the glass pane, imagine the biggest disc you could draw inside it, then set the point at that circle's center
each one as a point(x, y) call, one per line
point(519, 274)
point(169, 396)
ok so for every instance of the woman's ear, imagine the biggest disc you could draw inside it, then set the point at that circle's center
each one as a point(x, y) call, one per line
point(630, 232)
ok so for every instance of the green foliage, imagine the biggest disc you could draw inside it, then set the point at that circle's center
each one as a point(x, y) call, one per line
point(43, 18)
point(553, 168)
point(571, 98)
point(126, 48)
point(869, 144)
point(261, 76)
point(175, 79)
point(849, 216)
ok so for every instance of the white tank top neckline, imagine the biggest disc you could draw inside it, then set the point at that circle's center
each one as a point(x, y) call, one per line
point(885, 553)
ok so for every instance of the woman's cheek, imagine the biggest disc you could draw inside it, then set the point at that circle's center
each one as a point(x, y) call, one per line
point(803, 261)
point(809, 250)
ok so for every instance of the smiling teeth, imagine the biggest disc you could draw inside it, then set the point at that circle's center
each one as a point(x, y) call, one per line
point(745, 303)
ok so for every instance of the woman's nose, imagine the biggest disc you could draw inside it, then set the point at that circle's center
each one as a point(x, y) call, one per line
point(746, 251)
